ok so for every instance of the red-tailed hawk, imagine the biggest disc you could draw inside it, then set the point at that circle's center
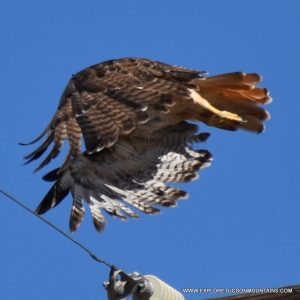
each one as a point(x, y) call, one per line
point(131, 115)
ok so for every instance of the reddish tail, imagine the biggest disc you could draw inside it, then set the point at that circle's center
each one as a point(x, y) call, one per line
point(236, 93)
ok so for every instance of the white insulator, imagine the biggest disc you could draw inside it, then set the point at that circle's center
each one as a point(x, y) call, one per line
point(162, 290)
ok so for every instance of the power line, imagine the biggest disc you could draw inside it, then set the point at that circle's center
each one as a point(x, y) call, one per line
point(84, 248)
point(134, 284)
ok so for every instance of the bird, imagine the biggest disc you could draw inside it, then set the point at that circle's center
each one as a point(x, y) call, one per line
point(131, 126)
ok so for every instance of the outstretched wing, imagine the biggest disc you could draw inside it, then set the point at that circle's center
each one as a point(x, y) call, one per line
point(134, 171)
point(112, 99)
point(109, 100)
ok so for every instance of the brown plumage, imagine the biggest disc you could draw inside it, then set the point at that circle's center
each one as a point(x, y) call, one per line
point(131, 115)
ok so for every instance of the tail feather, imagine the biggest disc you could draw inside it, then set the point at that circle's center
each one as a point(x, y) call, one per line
point(234, 79)
point(235, 93)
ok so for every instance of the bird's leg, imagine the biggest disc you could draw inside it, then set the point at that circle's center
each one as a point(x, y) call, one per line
point(221, 113)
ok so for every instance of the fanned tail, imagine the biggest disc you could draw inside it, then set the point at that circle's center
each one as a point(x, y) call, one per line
point(234, 101)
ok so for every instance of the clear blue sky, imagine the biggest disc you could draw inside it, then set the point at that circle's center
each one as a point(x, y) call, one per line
point(240, 226)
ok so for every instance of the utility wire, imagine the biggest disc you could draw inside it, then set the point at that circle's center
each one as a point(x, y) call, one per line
point(92, 255)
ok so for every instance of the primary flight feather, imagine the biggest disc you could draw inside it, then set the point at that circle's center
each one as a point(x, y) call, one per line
point(132, 116)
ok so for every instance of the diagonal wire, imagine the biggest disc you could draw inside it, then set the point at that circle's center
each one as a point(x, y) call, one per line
point(84, 248)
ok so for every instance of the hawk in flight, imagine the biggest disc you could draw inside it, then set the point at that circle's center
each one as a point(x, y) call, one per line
point(133, 117)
